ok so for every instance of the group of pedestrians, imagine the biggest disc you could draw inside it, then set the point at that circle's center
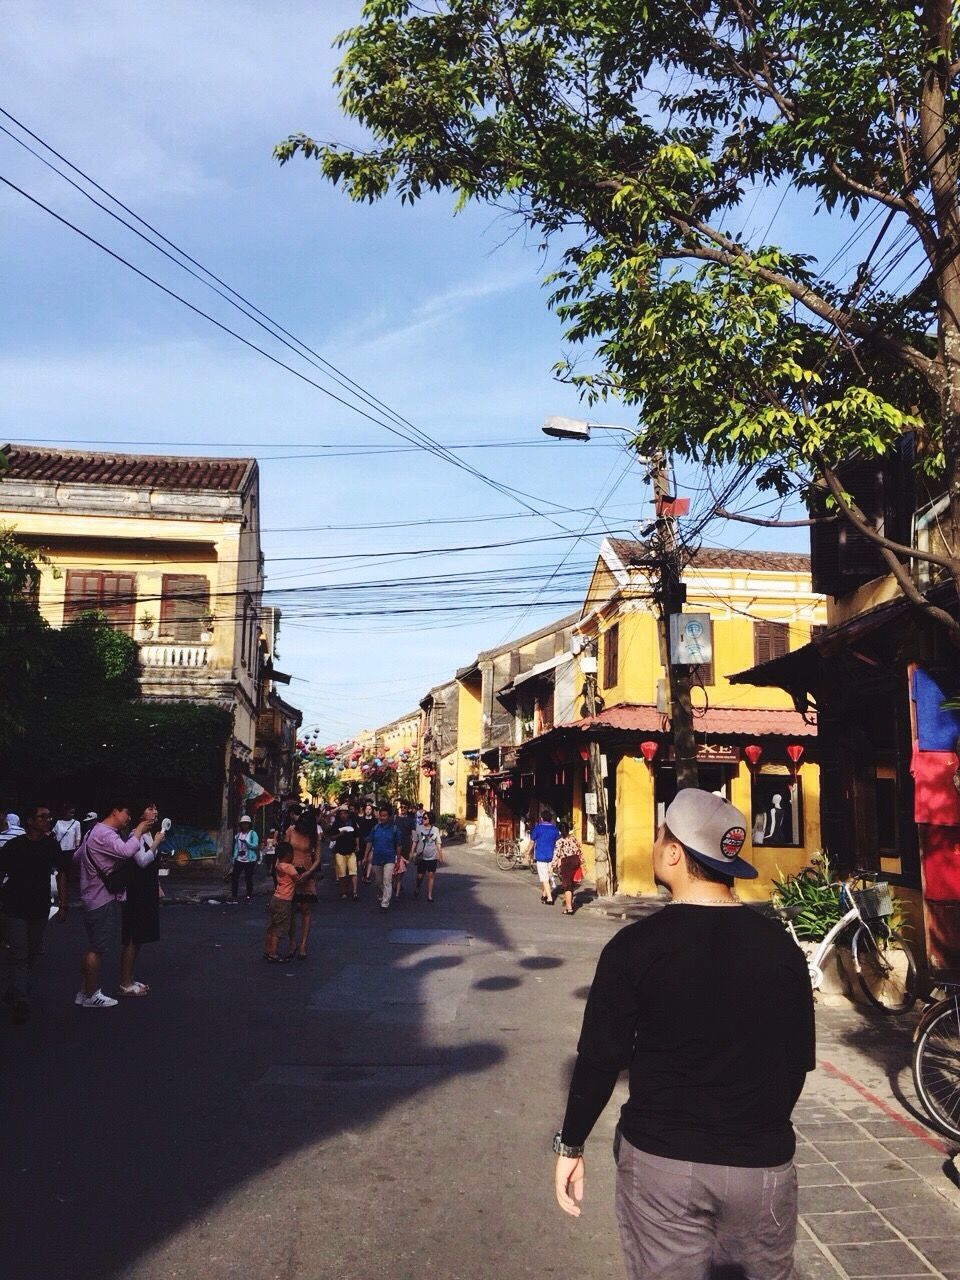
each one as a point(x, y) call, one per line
point(119, 894)
point(365, 844)
point(557, 857)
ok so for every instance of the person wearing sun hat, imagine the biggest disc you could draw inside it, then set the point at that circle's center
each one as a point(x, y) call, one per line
point(708, 1005)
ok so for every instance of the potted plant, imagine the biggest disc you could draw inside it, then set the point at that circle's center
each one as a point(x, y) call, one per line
point(146, 626)
point(206, 621)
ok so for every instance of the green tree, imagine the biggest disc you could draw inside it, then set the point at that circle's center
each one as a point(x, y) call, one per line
point(637, 136)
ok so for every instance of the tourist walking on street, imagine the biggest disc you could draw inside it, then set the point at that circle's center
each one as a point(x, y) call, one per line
point(567, 865)
point(268, 850)
point(102, 855)
point(406, 825)
point(66, 831)
point(366, 821)
point(26, 864)
point(383, 845)
point(246, 854)
point(428, 850)
point(280, 920)
point(140, 911)
point(542, 842)
point(345, 846)
point(709, 1006)
point(304, 839)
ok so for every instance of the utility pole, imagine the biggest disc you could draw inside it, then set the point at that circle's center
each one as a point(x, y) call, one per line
point(603, 870)
point(669, 595)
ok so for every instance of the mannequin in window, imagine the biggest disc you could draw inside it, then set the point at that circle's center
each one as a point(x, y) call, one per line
point(776, 821)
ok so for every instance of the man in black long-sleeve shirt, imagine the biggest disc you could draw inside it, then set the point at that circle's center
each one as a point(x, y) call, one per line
point(709, 1006)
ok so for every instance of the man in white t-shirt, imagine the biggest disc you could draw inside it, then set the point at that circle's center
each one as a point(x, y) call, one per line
point(66, 831)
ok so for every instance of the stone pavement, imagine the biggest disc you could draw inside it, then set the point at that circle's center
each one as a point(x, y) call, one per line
point(877, 1190)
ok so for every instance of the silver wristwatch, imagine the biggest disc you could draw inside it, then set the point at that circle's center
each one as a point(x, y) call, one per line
point(562, 1148)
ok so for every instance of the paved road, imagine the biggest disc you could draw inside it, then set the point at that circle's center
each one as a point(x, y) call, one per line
point(383, 1110)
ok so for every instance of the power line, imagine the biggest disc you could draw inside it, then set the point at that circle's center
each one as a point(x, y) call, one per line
point(429, 445)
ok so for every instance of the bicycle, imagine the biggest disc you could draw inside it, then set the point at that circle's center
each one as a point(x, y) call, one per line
point(884, 964)
point(510, 855)
point(936, 1061)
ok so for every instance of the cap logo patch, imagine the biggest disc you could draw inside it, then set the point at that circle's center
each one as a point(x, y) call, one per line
point(732, 842)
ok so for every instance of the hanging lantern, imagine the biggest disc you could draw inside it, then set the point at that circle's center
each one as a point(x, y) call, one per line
point(795, 751)
point(649, 750)
point(584, 753)
point(753, 754)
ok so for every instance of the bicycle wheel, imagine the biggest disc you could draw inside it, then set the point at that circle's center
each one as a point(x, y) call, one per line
point(936, 1068)
point(885, 967)
point(506, 855)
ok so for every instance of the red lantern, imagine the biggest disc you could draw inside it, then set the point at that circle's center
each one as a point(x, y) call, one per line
point(649, 750)
point(795, 751)
point(753, 753)
point(584, 753)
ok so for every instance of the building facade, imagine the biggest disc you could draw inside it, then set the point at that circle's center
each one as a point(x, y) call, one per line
point(168, 549)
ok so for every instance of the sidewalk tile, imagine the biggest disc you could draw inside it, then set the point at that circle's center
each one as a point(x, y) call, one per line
point(830, 1199)
point(849, 1228)
point(866, 1171)
point(908, 1146)
point(884, 1128)
point(811, 1264)
point(942, 1252)
point(926, 1219)
point(819, 1175)
point(889, 1259)
point(892, 1195)
point(868, 1149)
point(829, 1130)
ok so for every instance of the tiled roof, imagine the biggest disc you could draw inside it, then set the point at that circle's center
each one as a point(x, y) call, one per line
point(632, 553)
point(67, 466)
point(727, 722)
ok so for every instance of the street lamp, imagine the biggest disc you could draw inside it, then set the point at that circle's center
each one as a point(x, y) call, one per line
point(670, 593)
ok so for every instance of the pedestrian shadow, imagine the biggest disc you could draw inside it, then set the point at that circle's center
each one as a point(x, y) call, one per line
point(125, 1131)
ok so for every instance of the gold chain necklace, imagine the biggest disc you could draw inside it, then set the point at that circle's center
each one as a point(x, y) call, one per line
point(732, 901)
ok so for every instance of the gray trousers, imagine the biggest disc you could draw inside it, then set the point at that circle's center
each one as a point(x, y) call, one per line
point(24, 939)
point(684, 1221)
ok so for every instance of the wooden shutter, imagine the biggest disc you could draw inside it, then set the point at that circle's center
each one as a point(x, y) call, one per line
point(611, 656)
point(113, 594)
point(82, 594)
point(185, 598)
point(770, 640)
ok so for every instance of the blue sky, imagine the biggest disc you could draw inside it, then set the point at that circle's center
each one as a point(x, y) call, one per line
point(175, 108)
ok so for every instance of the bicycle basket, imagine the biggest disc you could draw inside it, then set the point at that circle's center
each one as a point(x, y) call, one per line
point(874, 902)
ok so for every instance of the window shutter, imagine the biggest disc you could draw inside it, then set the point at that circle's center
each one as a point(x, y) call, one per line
point(113, 594)
point(770, 640)
point(611, 656)
point(185, 598)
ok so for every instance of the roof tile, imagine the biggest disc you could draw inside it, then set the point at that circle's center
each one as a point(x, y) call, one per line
point(634, 553)
point(740, 722)
point(64, 466)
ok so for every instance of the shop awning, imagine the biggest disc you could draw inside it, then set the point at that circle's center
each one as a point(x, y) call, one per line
point(540, 669)
point(718, 722)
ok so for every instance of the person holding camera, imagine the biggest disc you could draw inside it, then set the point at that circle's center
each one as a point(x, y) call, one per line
point(106, 868)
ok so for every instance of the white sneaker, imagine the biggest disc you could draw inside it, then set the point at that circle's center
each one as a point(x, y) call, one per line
point(98, 1001)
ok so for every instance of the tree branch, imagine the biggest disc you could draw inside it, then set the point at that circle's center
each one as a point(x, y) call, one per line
point(724, 514)
point(729, 253)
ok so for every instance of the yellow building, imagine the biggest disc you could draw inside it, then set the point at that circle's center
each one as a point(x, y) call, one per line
point(168, 548)
point(753, 606)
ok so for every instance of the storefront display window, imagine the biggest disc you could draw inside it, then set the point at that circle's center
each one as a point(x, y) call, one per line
point(777, 811)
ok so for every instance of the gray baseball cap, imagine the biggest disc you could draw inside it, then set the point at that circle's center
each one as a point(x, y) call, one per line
point(710, 830)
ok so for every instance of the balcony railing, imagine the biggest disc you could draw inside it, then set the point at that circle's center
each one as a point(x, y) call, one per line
point(174, 656)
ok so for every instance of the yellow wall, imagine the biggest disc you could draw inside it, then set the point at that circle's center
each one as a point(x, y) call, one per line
point(733, 651)
point(469, 730)
point(635, 830)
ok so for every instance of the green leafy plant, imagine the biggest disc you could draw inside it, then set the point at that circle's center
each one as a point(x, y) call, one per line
point(814, 891)
point(451, 826)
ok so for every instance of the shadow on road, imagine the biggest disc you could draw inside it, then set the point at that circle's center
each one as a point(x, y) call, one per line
point(121, 1127)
